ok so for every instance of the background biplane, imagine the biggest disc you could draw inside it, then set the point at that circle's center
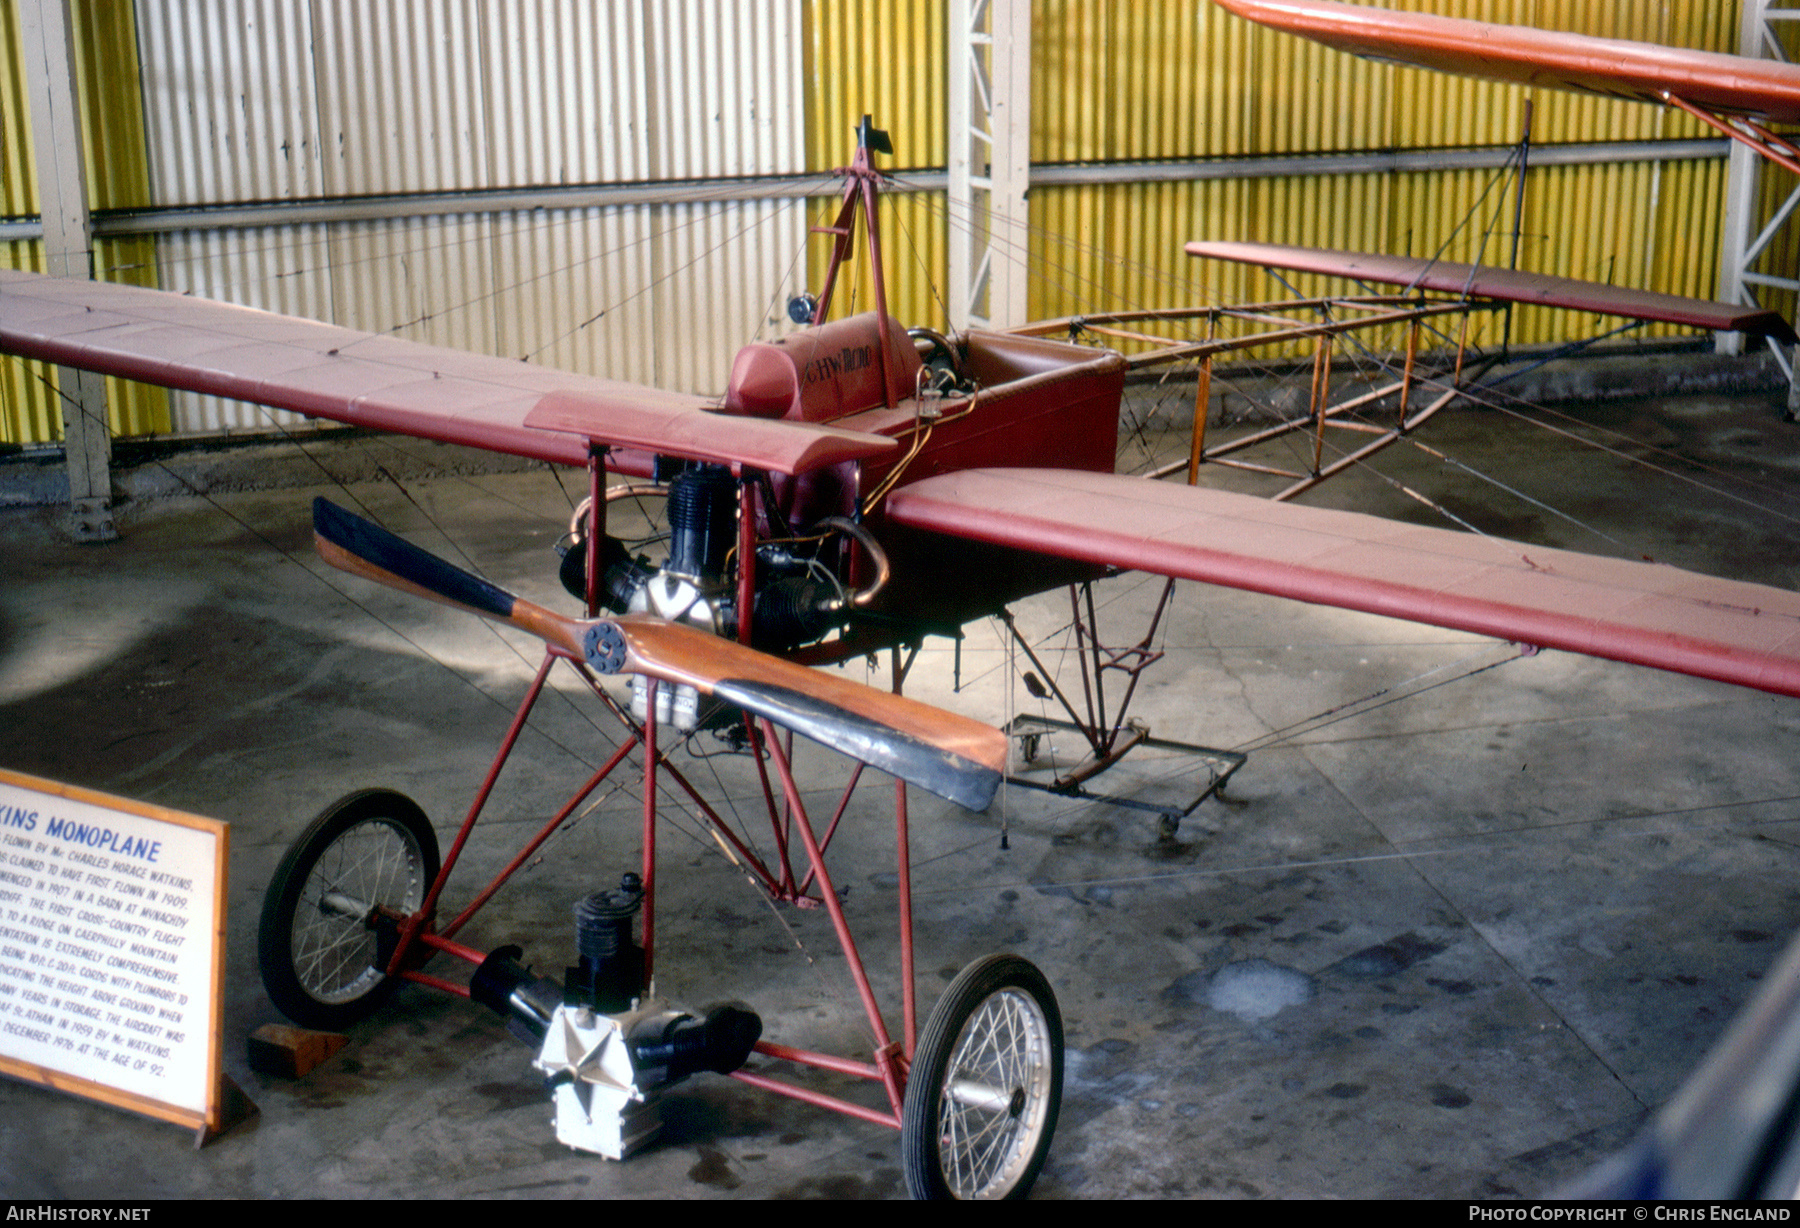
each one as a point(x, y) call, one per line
point(1729, 1132)
point(1742, 98)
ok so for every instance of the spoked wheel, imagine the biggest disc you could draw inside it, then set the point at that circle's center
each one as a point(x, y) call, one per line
point(985, 1086)
point(372, 850)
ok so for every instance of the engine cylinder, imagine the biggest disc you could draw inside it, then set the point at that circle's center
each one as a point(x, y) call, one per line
point(610, 970)
point(702, 522)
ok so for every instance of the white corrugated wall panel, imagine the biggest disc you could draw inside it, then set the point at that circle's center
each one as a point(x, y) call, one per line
point(728, 270)
point(659, 296)
point(575, 292)
point(730, 73)
point(400, 95)
point(424, 279)
point(565, 93)
point(284, 99)
point(230, 103)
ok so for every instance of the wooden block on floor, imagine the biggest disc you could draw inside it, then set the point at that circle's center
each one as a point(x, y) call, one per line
point(277, 1049)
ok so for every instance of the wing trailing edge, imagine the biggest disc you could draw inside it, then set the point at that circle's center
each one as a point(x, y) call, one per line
point(1641, 613)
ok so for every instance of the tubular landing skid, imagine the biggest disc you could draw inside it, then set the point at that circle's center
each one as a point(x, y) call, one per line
point(1029, 730)
point(1109, 738)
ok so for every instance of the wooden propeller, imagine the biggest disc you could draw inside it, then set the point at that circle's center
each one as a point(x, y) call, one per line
point(952, 756)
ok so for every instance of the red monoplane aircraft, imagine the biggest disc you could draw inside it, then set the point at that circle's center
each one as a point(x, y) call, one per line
point(856, 488)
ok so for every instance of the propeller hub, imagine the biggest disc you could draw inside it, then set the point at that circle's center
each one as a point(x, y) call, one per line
point(604, 645)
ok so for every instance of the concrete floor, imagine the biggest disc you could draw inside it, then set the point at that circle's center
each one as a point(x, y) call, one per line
point(1456, 946)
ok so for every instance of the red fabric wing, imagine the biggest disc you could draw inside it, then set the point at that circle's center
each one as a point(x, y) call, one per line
point(1643, 613)
point(1482, 281)
point(385, 382)
point(1518, 54)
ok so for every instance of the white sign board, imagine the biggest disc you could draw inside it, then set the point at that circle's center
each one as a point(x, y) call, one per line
point(112, 948)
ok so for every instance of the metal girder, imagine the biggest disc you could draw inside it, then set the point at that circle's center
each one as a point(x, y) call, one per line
point(1748, 228)
point(990, 160)
point(160, 219)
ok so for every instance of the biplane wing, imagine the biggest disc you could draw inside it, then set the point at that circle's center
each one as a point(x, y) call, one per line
point(1507, 285)
point(1703, 80)
point(1642, 613)
point(391, 384)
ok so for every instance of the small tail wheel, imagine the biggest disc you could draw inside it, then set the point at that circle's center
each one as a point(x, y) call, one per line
point(985, 1086)
point(370, 852)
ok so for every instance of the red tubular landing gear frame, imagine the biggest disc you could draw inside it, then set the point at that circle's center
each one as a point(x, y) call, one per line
point(789, 824)
point(974, 1090)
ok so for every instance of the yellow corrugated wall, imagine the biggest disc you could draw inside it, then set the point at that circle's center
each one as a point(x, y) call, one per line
point(24, 409)
point(885, 59)
point(106, 71)
point(1180, 79)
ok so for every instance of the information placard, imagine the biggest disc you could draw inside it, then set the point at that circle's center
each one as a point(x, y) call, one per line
point(112, 948)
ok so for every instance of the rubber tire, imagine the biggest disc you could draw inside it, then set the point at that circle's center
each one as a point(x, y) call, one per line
point(998, 982)
point(329, 1001)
